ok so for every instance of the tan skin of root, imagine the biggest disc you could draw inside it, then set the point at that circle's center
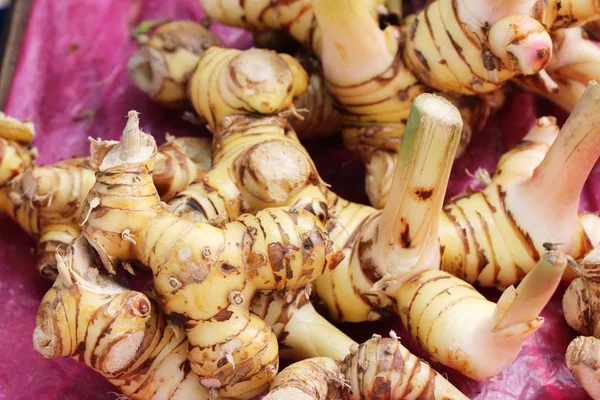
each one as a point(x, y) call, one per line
point(584, 364)
point(46, 200)
point(312, 379)
point(257, 163)
point(581, 306)
point(165, 61)
point(293, 17)
point(230, 349)
point(302, 332)
point(581, 300)
point(315, 115)
point(118, 332)
point(375, 96)
point(140, 352)
point(258, 82)
point(477, 54)
point(496, 235)
point(230, 82)
point(379, 369)
point(466, 47)
point(16, 153)
point(393, 257)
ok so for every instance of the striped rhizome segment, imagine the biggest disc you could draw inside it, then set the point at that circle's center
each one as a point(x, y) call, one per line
point(162, 65)
point(46, 201)
point(230, 82)
point(126, 335)
point(205, 275)
point(320, 117)
point(120, 333)
point(16, 153)
point(393, 257)
point(575, 62)
point(295, 17)
point(258, 162)
point(378, 368)
point(375, 95)
point(495, 236)
point(301, 331)
point(454, 46)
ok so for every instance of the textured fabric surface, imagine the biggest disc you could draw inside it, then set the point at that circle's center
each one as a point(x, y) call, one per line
point(71, 82)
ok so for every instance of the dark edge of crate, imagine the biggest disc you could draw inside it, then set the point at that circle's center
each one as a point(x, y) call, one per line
point(12, 38)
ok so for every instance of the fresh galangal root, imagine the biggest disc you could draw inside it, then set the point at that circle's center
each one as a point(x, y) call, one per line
point(203, 274)
point(581, 299)
point(258, 162)
point(495, 236)
point(319, 116)
point(120, 333)
point(46, 201)
point(302, 332)
point(377, 369)
point(134, 346)
point(231, 82)
point(583, 360)
point(375, 96)
point(16, 152)
point(165, 61)
point(455, 47)
point(393, 258)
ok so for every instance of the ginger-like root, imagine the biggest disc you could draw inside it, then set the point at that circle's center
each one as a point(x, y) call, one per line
point(16, 130)
point(375, 96)
point(294, 18)
point(231, 82)
point(477, 50)
point(561, 14)
point(383, 368)
point(301, 331)
point(16, 153)
point(320, 118)
point(205, 275)
point(164, 63)
point(584, 363)
point(158, 366)
point(118, 332)
point(377, 369)
point(258, 163)
point(312, 379)
point(582, 297)
point(46, 201)
point(420, 181)
point(473, 331)
point(495, 236)
point(393, 257)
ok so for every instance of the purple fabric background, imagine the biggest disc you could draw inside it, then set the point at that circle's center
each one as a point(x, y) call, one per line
point(71, 82)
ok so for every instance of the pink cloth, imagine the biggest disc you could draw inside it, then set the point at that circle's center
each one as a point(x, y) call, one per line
point(71, 82)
